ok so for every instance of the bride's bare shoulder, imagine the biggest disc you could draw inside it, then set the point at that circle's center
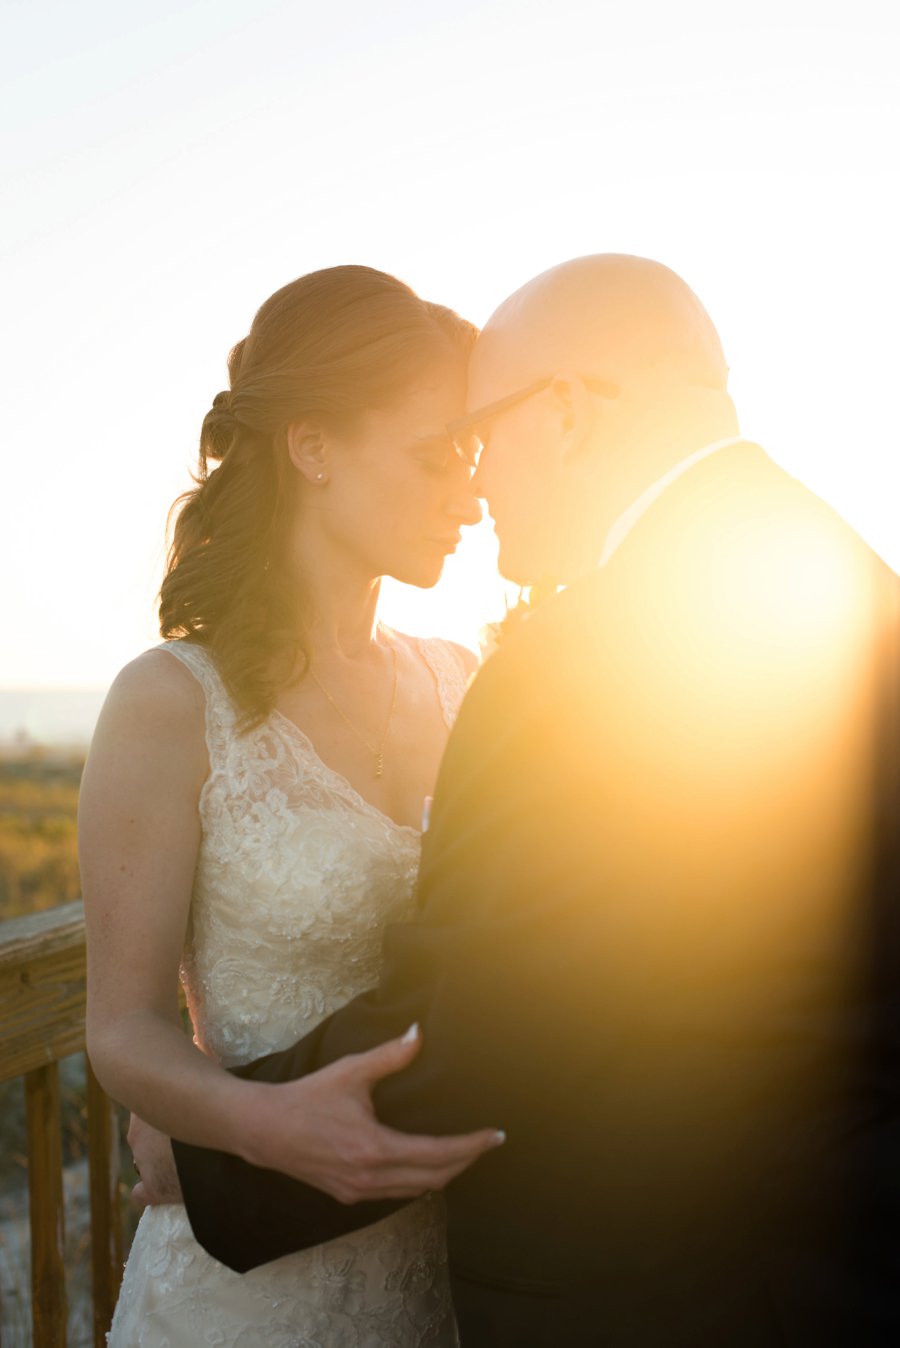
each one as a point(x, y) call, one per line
point(149, 743)
point(154, 697)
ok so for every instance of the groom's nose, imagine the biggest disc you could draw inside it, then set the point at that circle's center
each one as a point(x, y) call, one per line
point(466, 507)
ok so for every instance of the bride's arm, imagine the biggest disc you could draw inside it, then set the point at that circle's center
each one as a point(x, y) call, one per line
point(139, 834)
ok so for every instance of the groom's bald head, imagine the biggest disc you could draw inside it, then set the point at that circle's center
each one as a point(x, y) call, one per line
point(622, 373)
point(608, 312)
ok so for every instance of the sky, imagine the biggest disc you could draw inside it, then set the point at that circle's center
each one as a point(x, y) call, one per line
point(165, 167)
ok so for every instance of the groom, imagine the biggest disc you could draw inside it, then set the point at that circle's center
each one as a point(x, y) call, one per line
point(659, 939)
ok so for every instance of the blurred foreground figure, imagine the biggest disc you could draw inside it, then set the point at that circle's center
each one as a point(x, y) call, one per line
point(658, 940)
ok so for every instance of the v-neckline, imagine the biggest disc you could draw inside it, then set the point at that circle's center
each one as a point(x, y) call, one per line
point(339, 777)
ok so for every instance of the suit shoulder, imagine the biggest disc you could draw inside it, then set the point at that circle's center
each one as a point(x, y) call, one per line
point(530, 670)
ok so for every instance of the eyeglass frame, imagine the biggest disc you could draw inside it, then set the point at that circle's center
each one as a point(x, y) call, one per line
point(605, 387)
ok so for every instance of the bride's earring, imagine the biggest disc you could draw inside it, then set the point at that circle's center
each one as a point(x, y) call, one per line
point(322, 477)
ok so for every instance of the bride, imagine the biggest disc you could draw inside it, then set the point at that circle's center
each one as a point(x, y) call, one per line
point(251, 807)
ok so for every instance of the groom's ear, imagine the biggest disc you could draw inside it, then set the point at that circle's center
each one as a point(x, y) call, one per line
point(575, 410)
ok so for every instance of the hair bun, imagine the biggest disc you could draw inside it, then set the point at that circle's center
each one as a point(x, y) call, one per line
point(219, 426)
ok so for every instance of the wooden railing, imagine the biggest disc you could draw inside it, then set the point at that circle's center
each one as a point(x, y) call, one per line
point(42, 1006)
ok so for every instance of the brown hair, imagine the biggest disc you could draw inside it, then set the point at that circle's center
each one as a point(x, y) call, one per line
point(331, 345)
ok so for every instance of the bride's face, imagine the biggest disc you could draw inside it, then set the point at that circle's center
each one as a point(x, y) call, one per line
point(397, 493)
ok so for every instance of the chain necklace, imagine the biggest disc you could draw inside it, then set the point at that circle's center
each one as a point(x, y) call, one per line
point(377, 753)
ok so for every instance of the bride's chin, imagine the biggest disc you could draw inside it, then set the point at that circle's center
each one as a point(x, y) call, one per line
point(426, 582)
point(422, 577)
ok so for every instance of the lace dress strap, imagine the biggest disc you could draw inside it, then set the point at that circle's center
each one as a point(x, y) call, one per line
point(449, 672)
point(221, 718)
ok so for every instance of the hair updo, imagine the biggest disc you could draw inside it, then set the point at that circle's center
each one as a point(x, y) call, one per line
point(329, 345)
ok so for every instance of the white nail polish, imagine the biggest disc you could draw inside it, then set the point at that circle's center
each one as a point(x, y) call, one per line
point(411, 1035)
point(499, 1137)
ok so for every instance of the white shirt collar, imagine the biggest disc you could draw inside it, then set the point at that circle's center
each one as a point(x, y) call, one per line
point(623, 526)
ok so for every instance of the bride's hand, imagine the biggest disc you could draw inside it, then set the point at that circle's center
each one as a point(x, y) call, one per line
point(154, 1164)
point(322, 1129)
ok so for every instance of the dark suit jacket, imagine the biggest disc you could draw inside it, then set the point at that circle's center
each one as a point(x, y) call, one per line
point(659, 945)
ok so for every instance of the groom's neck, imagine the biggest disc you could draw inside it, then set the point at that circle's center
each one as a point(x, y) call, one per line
point(622, 477)
point(657, 443)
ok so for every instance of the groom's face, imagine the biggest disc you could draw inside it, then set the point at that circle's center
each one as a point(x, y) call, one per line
point(520, 474)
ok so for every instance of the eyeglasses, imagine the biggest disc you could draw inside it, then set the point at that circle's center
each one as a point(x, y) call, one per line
point(465, 431)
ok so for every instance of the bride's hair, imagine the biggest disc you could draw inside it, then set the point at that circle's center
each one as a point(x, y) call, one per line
point(328, 345)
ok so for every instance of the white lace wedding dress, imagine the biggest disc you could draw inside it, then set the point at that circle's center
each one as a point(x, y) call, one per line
point(296, 879)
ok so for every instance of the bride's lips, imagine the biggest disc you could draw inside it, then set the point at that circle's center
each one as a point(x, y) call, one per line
point(448, 544)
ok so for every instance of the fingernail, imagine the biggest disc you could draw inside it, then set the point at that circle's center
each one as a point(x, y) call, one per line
point(499, 1138)
point(411, 1035)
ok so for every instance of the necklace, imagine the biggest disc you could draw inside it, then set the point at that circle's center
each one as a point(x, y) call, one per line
point(376, 752)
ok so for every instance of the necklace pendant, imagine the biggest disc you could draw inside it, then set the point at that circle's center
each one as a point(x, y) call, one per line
point(379, 765)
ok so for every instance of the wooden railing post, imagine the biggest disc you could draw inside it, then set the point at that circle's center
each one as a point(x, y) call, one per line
point(106, 1219)
point(42, 1020)
point(45, 1190)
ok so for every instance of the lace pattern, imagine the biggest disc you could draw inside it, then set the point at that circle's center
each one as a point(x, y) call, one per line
point(449, 673)
point(384, 1287)
point(297, 876)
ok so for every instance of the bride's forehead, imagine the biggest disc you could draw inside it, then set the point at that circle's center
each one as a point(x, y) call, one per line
point(432, 400)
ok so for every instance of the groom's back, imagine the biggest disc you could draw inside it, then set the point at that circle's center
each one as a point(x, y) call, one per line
point(671, 804)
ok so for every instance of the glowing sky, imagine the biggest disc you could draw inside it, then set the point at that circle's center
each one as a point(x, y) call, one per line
point(167, 165)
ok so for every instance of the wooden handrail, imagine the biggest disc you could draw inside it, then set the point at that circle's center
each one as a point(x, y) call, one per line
point(42, 1015)
point(42, 989)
